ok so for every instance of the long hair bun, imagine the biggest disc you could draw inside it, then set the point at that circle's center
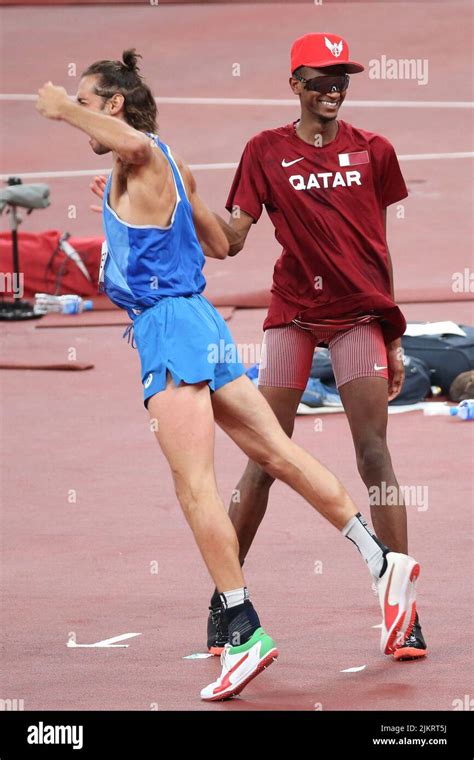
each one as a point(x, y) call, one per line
point(130, 60)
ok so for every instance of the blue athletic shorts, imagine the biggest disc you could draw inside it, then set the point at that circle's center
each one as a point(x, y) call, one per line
point(187, 337)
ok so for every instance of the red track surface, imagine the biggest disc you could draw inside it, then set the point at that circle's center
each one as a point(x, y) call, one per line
point(85, 567)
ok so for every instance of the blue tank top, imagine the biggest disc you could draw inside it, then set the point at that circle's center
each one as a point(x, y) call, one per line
point(143, 263)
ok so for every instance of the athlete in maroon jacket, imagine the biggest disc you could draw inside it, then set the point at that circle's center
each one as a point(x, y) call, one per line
point(326, 186)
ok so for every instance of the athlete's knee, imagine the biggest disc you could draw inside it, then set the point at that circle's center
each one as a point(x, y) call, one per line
point(275, 464)
point(272, 455)
point(373, 456)
point(255, 478)
point(193, 492)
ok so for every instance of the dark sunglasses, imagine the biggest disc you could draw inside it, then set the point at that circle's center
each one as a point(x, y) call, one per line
point(325, 84)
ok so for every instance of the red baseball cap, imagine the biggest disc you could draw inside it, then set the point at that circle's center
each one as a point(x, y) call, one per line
point(320, 50)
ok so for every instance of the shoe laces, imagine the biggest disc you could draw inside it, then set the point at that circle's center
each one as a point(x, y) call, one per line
point(217, 617)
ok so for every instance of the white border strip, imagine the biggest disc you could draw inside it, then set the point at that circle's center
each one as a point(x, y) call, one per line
point(281, 102)
point(208, 167)
point(434, 156)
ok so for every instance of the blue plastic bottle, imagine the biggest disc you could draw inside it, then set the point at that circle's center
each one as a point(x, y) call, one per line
point(464, 410)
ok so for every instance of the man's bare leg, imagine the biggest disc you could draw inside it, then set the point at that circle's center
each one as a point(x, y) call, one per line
point(365, 403)
point(248, 509)
point(185, 430)
point(246, 417)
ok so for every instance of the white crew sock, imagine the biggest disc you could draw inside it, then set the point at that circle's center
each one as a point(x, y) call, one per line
point(234, 597)
point(372, 550)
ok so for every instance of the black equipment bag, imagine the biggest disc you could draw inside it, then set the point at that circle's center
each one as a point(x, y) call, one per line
point(417, 383)
point(446, 356)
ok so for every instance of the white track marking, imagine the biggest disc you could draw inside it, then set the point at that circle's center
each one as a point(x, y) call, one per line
point(272, 102)
point(209, 167)
point(354, 670)
point(435, 156)
point(94, 172)
point(107, 643)
point(198, 656)
point(293, 102)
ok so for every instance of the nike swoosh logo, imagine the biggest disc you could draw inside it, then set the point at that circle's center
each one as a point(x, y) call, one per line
point(376, 367)
point(290, 163)
point(226, 682)
point(390, 610)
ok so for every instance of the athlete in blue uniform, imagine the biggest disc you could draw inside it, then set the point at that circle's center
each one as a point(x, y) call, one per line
point(157, 232)
point(142, 267)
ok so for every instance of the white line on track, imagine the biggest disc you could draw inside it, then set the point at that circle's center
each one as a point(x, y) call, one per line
point(19, 97)
point(208, 167)
point(197, 656)
point(435, 156)
point(105, 643)
point(354, 670)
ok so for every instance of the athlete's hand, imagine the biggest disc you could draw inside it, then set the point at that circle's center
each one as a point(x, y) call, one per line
point(51, 100)
point(396, 369)
point(98, 188)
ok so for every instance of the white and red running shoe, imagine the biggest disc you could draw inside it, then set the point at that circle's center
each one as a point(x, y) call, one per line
point(397, 597)
point(240, 665)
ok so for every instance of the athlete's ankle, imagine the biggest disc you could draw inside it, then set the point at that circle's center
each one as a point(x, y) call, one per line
point(216, 600)
point(240, 615)
point(242, 622)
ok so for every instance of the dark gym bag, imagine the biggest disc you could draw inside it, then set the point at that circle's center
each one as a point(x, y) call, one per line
point(446, 356)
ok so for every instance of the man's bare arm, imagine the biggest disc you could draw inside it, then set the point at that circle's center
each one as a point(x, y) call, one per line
point(215, 234)
point(390, 266)
point(236, 230)
point(394, 349)
point(213, 241)
point(132, 146)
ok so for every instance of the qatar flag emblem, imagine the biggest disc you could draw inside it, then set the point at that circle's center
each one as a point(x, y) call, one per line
point(352, 159)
